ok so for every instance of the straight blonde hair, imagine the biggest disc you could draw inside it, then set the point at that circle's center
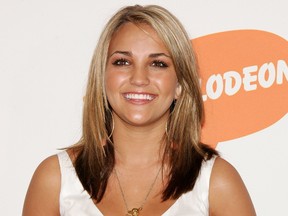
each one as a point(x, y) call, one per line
point(95, 158)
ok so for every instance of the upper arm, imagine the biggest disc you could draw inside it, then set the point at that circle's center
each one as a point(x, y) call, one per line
point(42, 198)
point(228, 194)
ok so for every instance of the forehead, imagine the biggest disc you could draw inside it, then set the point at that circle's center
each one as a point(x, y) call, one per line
point(131, 34)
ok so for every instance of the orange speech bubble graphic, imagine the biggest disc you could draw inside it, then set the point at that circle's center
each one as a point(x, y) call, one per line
point(244, 81)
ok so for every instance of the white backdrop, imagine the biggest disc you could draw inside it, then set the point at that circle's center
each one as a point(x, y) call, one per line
point(45, 51)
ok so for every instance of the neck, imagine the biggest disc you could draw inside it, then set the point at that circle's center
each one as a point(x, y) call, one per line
point(138, 147)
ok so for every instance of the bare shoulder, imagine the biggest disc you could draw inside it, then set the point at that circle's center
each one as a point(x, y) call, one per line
point(228, 194)
point(42, 197)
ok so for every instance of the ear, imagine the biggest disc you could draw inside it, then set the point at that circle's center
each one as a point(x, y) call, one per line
point(178, 91)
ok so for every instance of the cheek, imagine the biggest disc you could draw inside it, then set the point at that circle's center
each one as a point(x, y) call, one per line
point(109, 83)
point(110, 80)
point(113, 82)
point(168, 84)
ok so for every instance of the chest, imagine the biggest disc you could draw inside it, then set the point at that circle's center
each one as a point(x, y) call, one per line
point(133, 199)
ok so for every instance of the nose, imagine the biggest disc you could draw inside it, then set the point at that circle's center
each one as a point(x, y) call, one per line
point(139, 76)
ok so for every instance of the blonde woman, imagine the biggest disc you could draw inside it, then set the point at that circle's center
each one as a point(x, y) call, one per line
point(140, 153)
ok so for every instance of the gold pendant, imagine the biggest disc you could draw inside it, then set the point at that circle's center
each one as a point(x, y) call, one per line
point(134, 212)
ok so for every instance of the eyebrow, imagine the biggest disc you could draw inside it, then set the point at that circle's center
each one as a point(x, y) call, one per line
point(152, 55)
point(122, 52)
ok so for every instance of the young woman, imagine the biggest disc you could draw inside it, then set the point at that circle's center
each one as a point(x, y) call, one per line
point(140, 153)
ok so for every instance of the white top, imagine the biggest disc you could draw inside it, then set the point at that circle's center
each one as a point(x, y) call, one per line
point(75, 201)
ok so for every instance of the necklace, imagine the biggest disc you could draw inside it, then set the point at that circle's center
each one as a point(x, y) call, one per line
point(135, 211)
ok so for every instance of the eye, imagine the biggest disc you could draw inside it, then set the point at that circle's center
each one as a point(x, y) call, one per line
point(121, 62)
point(158, 63)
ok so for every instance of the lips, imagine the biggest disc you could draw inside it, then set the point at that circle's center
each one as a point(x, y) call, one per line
point(139, 96)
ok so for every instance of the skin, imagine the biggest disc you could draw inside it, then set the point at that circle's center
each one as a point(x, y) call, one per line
point(139, 63)
point(42, 197)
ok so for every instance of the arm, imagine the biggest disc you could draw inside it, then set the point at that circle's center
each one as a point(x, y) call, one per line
point(228, 194)
point(42, 198)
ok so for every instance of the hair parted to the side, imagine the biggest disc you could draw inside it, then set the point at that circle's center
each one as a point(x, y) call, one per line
point(95, 154)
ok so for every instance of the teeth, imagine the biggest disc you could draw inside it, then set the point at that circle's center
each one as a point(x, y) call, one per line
point(139, 96)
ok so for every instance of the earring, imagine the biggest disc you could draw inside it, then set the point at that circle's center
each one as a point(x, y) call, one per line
point(110, 125)
point(103, 150)
point(169, 118)
point(166, 129)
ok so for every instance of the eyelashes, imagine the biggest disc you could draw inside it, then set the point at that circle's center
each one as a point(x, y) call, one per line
point(125, 62)
point(160, 64)
point(121, 62)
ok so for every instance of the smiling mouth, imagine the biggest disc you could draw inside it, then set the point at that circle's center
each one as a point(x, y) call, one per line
point(138, 96)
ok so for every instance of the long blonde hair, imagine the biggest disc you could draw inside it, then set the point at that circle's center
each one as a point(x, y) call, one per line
point(184, 127)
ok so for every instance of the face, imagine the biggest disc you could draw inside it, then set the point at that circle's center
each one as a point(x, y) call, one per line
point(140, 78)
